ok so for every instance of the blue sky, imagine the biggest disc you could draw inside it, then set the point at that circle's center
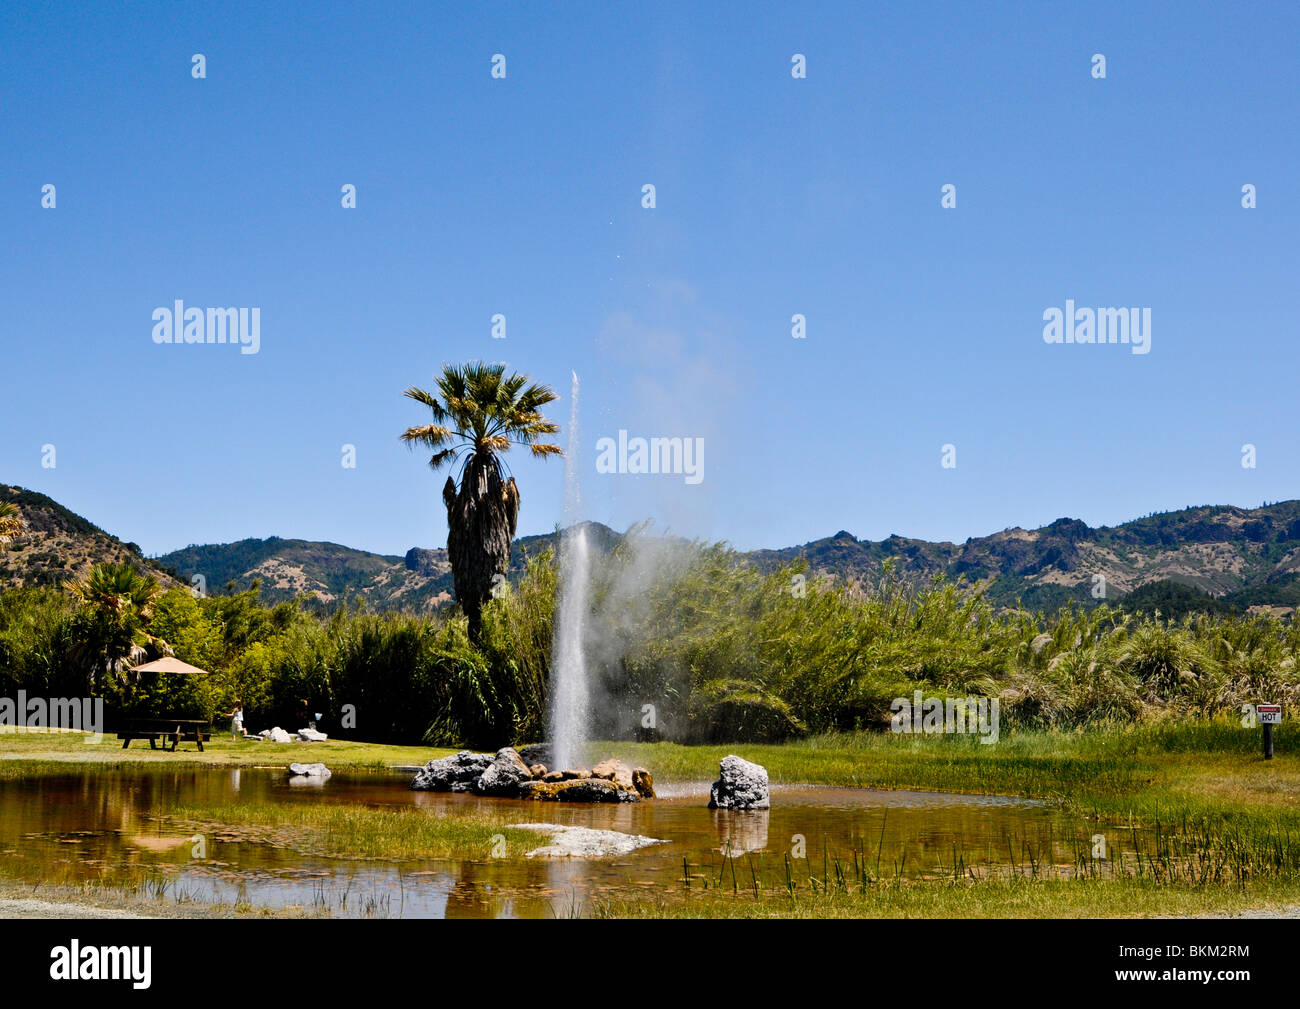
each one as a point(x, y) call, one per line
point(775, 196)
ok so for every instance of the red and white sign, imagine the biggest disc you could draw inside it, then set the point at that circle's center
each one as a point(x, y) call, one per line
point(1269, 714)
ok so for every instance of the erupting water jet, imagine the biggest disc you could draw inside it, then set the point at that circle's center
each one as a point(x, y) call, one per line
point(569, 689)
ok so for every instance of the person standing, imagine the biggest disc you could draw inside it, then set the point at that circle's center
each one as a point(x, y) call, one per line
point(237, 730)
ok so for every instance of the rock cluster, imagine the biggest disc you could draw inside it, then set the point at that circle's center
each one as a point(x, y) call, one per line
point(278, 735)
point(508, 774)
point(504, 775)
point(452, 774)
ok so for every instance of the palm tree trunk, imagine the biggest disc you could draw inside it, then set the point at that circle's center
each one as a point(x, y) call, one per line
point(481, 521)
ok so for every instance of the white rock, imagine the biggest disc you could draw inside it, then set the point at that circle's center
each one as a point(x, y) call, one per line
point(585, 842)
point(740, 785)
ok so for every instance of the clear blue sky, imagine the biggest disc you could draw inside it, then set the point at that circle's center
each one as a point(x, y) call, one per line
point(775, 196)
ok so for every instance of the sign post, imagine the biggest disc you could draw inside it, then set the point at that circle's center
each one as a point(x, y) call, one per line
point(1269, 715)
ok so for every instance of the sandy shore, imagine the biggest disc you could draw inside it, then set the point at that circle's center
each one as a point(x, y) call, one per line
point(29, 907)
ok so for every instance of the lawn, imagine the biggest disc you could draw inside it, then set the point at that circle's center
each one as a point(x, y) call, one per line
point(20, 752)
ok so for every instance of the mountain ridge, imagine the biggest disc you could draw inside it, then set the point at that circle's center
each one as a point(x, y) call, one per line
point(1241, 557)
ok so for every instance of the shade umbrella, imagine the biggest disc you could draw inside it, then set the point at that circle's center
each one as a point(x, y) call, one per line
point(170, 664)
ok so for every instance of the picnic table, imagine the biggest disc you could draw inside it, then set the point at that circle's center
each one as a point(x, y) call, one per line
point(164, 729)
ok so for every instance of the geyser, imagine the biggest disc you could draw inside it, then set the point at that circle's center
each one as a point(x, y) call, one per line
point(569, 690)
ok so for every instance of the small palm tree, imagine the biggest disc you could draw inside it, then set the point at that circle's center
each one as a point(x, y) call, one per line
point(113, 621)
point(11, 522)
point(1167, 663)
point(478, 414)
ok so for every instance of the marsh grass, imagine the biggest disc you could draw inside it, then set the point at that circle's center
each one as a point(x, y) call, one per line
point(1182, 867)
point(1107, 768)
point(146, 895)
point(1002, 897)
point(355, 832)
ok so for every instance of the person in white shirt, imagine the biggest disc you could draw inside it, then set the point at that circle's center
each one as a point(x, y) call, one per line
point(237, 730)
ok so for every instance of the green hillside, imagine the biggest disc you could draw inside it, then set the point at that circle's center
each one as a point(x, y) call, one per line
point(59, 545)
point(1221, 558)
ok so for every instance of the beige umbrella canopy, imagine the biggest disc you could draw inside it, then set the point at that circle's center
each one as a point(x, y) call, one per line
point(170, 664)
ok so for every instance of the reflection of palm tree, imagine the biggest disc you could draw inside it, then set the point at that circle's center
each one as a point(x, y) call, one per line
point(480, 414)
point(11, 522)
point(116, 607)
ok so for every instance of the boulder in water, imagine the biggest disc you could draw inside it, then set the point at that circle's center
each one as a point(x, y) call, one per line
point(504, 775)
point(740, 785)
point(643, 783)
point(615, 771)
point(309, 771)
point(536, 753)
point(456, 773)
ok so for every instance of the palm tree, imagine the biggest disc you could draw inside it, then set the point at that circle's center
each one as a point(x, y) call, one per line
point(480, 414)
point(116, 607)
point(11, 522)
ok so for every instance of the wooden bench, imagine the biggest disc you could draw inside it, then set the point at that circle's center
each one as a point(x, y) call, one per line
point(165, 729)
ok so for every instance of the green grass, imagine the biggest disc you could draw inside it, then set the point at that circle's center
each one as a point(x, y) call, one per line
point(1151, 769)
point(21, 752)
point(1007, 898)
point(359, 831)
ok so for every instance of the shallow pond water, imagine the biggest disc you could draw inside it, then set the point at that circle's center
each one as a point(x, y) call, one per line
point(112, 826)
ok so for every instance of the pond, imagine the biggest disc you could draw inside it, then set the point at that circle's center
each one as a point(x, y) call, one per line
point(112, 826)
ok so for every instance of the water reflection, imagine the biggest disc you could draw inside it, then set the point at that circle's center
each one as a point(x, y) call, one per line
point(740, 831)
point(113, 826)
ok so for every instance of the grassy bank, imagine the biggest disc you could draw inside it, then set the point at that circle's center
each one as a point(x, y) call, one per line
point(23, 752)
point(1013, 898)
point(1149, 770)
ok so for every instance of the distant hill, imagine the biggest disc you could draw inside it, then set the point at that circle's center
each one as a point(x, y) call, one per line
point(1219, 558)
point(290, 568)
point(420, 580)
point(1241, 557)
point(1175, 600)
point(59, 545)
